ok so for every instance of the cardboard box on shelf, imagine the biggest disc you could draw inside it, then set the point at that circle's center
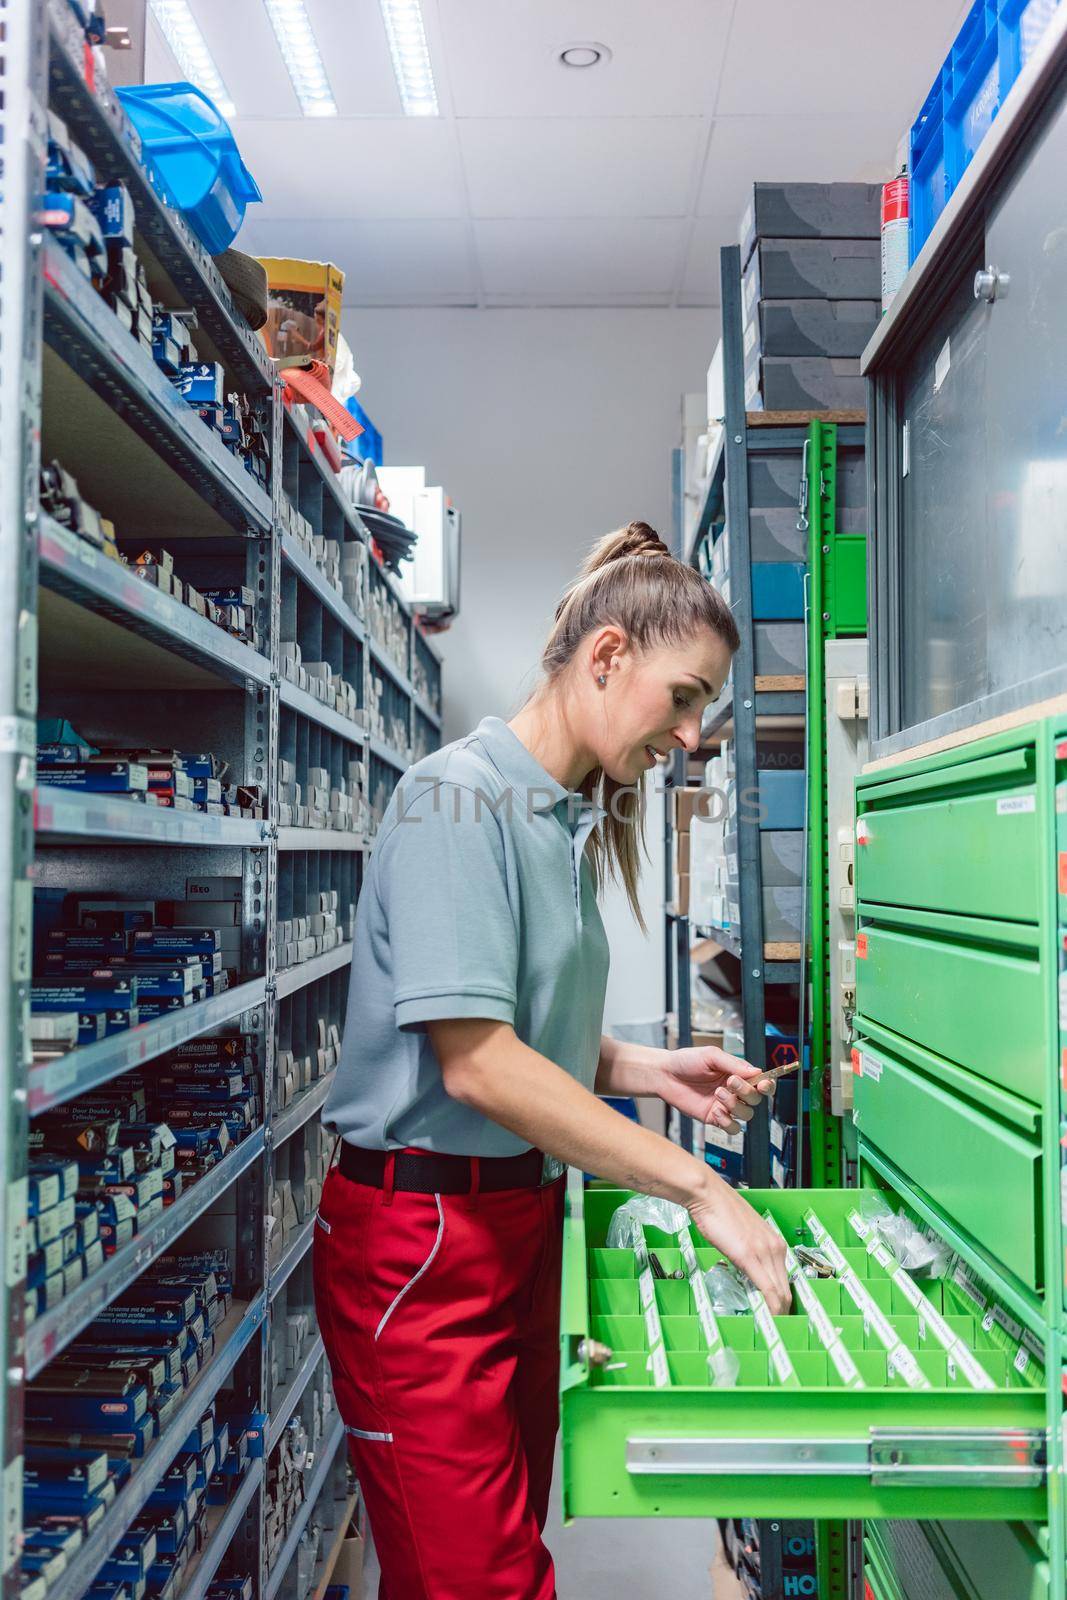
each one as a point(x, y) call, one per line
point(810, 211)
point(681, 854)
point(681, 895)
point(687, 804)
point(304, 309)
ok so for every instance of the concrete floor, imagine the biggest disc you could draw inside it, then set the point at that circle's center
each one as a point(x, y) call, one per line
point(626, 1560)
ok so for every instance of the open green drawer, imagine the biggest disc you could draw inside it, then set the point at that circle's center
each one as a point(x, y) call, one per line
point(817, 1448)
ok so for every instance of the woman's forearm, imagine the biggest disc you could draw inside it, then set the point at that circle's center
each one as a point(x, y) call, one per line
point(488, 1068)
point(628, 1069)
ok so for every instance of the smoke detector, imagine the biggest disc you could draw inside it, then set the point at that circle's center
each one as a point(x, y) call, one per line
point(585, 53)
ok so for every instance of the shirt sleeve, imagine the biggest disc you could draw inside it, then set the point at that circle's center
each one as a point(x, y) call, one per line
point(451, 925)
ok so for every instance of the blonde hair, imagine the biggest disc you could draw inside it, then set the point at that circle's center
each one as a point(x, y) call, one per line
point(631, 579)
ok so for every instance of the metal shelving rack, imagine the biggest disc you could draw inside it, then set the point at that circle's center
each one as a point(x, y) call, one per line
point(71, 375)
point(746, 700)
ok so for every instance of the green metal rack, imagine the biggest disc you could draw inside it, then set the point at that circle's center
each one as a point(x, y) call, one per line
point(836, 608)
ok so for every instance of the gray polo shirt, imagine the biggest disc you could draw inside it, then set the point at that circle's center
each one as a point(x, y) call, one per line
point(477, 902)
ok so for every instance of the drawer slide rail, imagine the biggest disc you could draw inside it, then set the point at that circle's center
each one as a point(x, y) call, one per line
point(908, 1457)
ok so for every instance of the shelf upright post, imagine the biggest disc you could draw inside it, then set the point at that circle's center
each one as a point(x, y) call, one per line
point(260, 920)
point(750, 889)
point(23, 135)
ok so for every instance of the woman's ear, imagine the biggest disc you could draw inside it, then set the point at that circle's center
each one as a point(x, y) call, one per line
point(608, 652)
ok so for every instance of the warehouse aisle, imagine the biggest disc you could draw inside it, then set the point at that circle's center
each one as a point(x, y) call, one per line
point(602, 1560)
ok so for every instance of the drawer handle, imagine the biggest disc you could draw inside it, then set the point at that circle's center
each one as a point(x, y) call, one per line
point(1011, 764)
point(907, 1457)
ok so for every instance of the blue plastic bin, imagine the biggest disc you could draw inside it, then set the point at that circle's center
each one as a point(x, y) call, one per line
point(992, 47)
point(366, 446)
point(193, 159)
point(778, 591)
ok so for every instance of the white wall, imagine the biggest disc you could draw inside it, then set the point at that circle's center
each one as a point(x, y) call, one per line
point(547, 428)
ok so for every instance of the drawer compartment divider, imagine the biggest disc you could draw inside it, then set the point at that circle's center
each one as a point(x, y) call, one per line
point(1023, 1304)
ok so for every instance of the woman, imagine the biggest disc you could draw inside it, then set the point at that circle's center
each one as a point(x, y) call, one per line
point(473, 1054)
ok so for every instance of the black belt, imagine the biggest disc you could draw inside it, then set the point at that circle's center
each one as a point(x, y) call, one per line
point(434, 1173)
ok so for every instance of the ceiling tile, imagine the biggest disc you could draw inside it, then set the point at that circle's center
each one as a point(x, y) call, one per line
point(403, 167)
point(569, 167)
point(853, 54)
point(555, 261)
point(393, 263)
point(792, 149)
point(700, 281)
point(502, 59)
point(241, 39)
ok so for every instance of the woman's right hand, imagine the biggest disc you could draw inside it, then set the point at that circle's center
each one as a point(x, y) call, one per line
point(729, 1223)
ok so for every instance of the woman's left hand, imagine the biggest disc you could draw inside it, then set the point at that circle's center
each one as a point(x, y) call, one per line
point(716, 1088)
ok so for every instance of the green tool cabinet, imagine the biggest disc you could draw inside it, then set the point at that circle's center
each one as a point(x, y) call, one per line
point(955, 1561)
point(961, 883)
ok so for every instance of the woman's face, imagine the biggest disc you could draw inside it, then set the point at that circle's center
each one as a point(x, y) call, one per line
point(654, 703)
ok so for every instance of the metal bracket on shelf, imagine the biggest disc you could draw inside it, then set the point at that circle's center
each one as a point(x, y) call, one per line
point(889, 1457)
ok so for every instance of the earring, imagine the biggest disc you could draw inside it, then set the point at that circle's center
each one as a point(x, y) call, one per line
point(602, 680)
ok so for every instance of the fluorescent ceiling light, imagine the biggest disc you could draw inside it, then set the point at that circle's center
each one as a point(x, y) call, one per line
point(411, 57)
point(189, 48)
point(300, 52)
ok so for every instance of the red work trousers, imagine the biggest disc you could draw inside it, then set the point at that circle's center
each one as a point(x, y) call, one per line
point(440, 1317)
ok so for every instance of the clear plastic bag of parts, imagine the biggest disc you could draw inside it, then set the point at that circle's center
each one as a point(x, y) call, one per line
point(916, 1253)
point(726, 1290)
point(625, 1230)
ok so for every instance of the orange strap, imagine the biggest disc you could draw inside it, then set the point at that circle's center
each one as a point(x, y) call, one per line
point(310, 382)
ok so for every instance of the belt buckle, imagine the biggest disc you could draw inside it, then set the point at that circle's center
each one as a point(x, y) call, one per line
point(551, 1169)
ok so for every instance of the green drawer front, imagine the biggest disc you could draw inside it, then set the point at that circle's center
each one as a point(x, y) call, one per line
point(982, 1008)
point(975, 854)
point(631, 1449)
point(985, 1176)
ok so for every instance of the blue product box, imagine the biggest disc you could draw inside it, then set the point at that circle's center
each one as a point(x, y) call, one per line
point(177, 1486)
point(63, 755)
point(118, 777)
point(50, 1181)
point(131, 1324)
point(202, 383)
point(112, 206)
point(781, 799)
point(167, 942)
point(163, 1005)
point(78, 941)
point(200, 1436)
point(216, 1090)
point(778, 591)
point(52, 997)
point(73, 222)
point(229, 427)
point(83, 1470)
point(199, 764)
point(41, 1264)
point(131, 1558)
point(729, 1164)
point(117, 1166)
point(167, 354)
point(49, 1500)
point(230, 1589)
point(107, 1412)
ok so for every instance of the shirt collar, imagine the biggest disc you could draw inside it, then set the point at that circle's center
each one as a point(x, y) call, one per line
point(524, 774)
